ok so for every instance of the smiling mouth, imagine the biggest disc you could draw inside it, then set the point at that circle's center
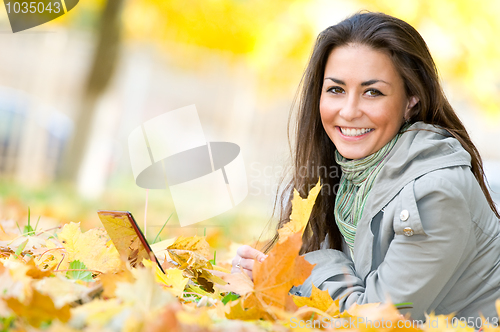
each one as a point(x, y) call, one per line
point(355, 131)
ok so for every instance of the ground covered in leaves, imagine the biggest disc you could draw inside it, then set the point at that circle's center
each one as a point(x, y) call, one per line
point(64, 279)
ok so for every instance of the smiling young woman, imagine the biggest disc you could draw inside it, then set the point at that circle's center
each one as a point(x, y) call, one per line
point(410, 219)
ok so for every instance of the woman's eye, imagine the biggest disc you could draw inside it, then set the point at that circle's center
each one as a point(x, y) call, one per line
point(336, 89)
point(373, 93)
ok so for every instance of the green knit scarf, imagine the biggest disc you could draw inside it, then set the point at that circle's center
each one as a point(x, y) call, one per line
point(358, 176)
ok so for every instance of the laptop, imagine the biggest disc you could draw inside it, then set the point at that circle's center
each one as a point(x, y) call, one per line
point(127, 237)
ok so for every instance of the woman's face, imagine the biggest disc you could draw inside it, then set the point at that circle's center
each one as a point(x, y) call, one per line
point(363, 100)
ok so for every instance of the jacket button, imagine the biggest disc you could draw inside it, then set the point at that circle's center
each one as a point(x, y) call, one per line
point(404, 215)
point(408, 231)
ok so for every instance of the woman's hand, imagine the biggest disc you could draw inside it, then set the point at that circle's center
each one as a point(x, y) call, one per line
point(245, 258)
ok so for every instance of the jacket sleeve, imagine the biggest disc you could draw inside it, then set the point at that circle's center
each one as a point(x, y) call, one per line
point(419, 268)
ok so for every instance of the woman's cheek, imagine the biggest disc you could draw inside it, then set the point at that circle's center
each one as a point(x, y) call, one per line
point(325, 110)
point(327, 116)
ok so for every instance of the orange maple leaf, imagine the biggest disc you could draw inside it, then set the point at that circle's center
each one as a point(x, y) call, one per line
point(268, 295)
point(239, 283)
point(282, 269)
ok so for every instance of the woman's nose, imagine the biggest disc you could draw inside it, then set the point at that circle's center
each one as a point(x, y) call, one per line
point(350, 110)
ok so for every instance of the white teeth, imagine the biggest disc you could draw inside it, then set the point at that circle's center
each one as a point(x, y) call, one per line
point(354, 132)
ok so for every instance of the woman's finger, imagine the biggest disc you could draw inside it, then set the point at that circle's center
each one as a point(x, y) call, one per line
point(245, 259)
point(243, 263)
point(248, 252)
point(236, 260)
point(261, 257)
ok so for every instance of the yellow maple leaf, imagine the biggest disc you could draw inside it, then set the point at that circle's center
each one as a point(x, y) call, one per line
point(13, 281)
point(200, 319)
point(238, 311)
point(196, 267)
point(144, 293)
point(51, 256)
point(98, 313)
point(6, 236)
point(35, 272)
point(172, 278)
point(90, 247)
point(320, 300)
point(61, 289)
point(38, 309)
point(189, 259)
point(301, 211)
point(195, 243)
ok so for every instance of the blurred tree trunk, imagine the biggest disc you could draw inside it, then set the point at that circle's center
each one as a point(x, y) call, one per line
point(101, 71)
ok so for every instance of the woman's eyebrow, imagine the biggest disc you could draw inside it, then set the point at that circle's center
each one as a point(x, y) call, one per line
point(335, 80)
point(370, 82)
point(366, 83)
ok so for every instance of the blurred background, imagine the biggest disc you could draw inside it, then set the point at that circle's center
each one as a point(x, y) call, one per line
point(73, 89)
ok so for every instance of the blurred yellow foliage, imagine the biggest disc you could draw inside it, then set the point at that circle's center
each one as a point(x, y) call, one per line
point(462, 38)
point(274, 38)
point(226, 25)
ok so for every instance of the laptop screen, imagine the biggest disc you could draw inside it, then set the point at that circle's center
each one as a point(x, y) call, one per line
point(127, 237)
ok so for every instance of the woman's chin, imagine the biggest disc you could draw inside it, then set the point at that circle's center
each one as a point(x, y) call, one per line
point(350, 154)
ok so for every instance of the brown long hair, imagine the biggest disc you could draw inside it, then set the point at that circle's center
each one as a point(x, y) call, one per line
point(313, 153)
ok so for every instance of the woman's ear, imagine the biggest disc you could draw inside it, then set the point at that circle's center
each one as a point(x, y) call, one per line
point(412, 101)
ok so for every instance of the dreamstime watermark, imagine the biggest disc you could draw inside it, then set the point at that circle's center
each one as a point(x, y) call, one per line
point(349, 323)
point(435, 322)
point(265, 179)
point(26, 14)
